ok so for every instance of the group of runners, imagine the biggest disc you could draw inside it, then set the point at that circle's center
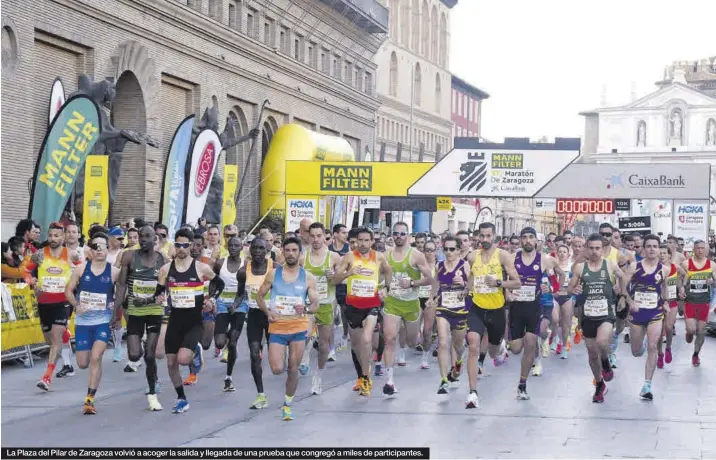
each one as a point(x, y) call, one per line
point(436, 295)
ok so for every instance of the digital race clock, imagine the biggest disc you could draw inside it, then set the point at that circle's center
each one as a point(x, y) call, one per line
point(585, 206)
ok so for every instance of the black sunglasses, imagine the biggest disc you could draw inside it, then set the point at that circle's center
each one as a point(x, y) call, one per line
point(182, 245)
point(162, 235)
point(230, 235)
point(98, 246)
point(399, 234)
point(450, 249)
point(605, 234)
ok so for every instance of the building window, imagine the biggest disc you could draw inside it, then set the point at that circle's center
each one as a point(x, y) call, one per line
point(469, 110)
point(459, 131)
point(443, 41)
point(325, 61)
point(232, 15)
point(425, 30)
point(298, 48)
point(393, 78)
point(214, 12)
point(348, 73)
point(434, 35)
point(459, 104)
point(285, 40)
point(357, 79)
point(394, 12)
point(405, 23)
point(415, 30)
point(312, 55)
point(368, 83)
point(337, 67)
point(464, 104)
point(194, 4)
point(251, 23)
point(438, 93)
point(453, 101)
point(270, 32)
point(475, 106)
point(418, 84)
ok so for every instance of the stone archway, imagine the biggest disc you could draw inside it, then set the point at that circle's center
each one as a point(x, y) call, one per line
point(269, 128)
point(128, 112)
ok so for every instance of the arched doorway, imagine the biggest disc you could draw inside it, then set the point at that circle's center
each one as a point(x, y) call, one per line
point(128, 112)
point(269, 128)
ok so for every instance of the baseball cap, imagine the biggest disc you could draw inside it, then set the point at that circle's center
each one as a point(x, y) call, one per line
point(528, 231)
point(116, 232)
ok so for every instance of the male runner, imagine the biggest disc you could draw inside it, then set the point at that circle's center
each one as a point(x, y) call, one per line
point(593, 282)
point(54, 269)
point(363, 268)
point(183, 279)
point(487, 313)
point(450, 290)
point(402, 304)
point(341, 247)
point(695, 289)
point(208, 316)
point(230, 313)
point(322, 264)
point(93, 311)
point(647, 298)
point(528, 316)
point(249, 279)
point(77, 255)
point(465, 242)
point(303, 231)
point(293, 294)
point(427, 314)
point(672, 283)
point(139, 274)
point(564, 301)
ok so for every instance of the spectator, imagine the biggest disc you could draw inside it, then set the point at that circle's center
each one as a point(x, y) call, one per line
point(12, 270)
point(29, 231)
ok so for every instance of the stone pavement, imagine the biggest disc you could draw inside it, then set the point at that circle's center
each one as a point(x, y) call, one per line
point(560, 421)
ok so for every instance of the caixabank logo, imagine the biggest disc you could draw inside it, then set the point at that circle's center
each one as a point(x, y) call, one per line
point(644, 181)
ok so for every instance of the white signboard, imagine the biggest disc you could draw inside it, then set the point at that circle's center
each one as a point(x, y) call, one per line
point(545, 204)
point(691, 221)
point(485, 215)
point(299, 208)
point(493, 172)
point(367, 202)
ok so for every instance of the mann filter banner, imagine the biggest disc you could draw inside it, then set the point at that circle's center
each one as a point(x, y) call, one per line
point(57, 99)
point(204, 158)
point(691, 221)
point(96, 200)
point(173, 188)
point(299, 208)
point(228, 210)
point(70, 138)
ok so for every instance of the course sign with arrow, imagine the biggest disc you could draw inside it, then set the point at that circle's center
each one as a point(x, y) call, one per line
point(516, 168)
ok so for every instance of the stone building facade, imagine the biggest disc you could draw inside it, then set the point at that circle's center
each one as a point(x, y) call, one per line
point(169, 58)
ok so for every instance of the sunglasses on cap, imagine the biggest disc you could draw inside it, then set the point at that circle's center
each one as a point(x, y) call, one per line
point(182, 245)
point(98, 246)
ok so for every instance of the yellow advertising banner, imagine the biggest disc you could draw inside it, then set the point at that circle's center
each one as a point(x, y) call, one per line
point(444, 203)
point(96, 199)
point(352, 178)
point(228, 209)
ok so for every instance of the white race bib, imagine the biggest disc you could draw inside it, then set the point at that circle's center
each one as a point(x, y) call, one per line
point(253, 293)
point(672, 291)
point(363, 288)
point(646, 300)
point(144, 289)
point(451, 299)
point(322, 288)
point(94, 301)
point(286, 305)
point(698, 286)
point(395, 289)
point(596, 307)
point(481, 286)
point(183, 298)
point(228, 295)
point(53, 284)
point(526, 294)
point(424, 291)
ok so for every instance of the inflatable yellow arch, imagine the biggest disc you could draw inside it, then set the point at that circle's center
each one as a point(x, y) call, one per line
point(294, 142)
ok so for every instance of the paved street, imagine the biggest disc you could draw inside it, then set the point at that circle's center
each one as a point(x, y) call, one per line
point(559, 421)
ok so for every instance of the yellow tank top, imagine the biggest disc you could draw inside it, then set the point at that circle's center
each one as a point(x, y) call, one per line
point(363, 287)
point(613, 255)
point(484, 296)
point(254, 282)
point(53, 275)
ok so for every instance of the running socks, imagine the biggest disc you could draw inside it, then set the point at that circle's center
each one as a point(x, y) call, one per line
point(389, 372)
point(91, 391)
point(231, 359)
point(481, 358)
point(66, 352)
point(356, 363)
point(180, 392)
point(288, 400)
point(49, 372)
point(605, 364)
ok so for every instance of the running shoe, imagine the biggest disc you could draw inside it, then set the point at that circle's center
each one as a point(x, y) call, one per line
point(500, 360)
point(224, 355)
point(66, 371)
point(131, 367)
point(366, 387)
point(577, 336)
point(545, 349)
point(389, 389)
point(473, 401)
point(569, 344)
point(608, 375)
point(286, 413)
point(695, 361)
point(153, 403)
point(198, 360)
point(358, 384)
point(378, 369)
point(667, 356)
point(537, 369)
point(443, 388)
point(303, 369)
point(424, 364)
point(182, 405)
point(612, 360)
point(343, 344)
point(419, 347)
point(316, 387)
point(563, 355)
point(559, 348)
point(522, 392)
point(44, 383)
point(260, 402)
point(229, 384)
point(190, 380)
point(481, 368)
point(435, 353)
point(88, 407)
point(599, 392)
point(660, 361)
point(332, 355)
point(646, 393)
point(555, 345)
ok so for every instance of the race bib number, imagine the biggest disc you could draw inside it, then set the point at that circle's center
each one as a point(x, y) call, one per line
point(53, 284)
point(94, 301)
point(363, 288)
point(207, 253)
point(286, 305)
point(596, 307)
point(183, 298)
point(424, 291)
point(481, 286)
point(228, 295)
point(395, 289)
point(526, 294)
point(253, 293)
point(698, 286)
point(322, 288)
point(451, 299)
point(646, 300)
point(143, 289)
point(672, 291)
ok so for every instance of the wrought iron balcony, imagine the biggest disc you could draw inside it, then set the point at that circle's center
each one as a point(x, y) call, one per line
point(369, 15)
